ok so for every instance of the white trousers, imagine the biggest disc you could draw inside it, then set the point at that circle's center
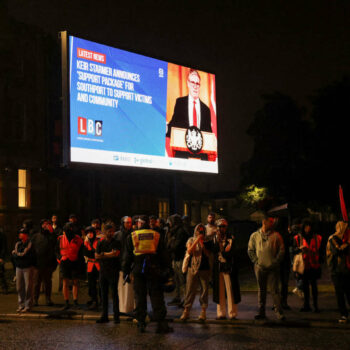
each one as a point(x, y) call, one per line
point(225, 285)
point(126, 295)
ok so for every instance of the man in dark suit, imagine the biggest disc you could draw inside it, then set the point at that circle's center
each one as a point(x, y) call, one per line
point(189, 110)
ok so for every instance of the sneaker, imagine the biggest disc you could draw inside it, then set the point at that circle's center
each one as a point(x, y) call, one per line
point(76, 305)
point(26, 309)
point(141, 327)
point(174, 302)
point(202, 316)
point(93, 306)
point(185, 315)
point(20, 308)
point(181, 305)
point(285, 306)
point(260, 316)
point(343, 319)
point(298, 292)
point(163, 328)
point(280, 316)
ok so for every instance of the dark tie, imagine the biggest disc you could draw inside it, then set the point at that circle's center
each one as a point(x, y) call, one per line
point(194, 114)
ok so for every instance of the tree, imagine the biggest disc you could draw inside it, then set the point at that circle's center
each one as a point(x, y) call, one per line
point(328, 152)
point(279, 131)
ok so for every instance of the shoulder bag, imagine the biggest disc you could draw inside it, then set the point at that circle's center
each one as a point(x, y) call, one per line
point(298, 261)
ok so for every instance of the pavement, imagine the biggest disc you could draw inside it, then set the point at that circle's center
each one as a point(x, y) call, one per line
point(327, 318)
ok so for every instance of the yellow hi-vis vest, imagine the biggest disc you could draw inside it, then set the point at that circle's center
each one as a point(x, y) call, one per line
point(145, 241)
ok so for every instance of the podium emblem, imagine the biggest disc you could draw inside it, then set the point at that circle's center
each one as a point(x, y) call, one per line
point(194, 139)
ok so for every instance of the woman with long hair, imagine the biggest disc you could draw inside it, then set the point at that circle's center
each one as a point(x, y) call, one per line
point(338, 259)
point(196, 264)
point(309, 243)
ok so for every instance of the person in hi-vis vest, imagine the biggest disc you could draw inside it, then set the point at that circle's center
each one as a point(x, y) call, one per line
point(146, 258)
point(69, 256)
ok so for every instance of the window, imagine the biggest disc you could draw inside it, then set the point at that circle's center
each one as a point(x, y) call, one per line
point(2, 204)
point(186, 207)
point(163, 209)
point(23, 189)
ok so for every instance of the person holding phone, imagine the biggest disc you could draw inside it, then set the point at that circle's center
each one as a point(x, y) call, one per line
point(196, 264)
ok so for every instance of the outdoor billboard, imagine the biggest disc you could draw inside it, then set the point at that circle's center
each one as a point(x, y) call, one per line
point(132, 110)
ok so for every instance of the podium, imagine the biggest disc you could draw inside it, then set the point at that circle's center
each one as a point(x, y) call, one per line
point(179, 147)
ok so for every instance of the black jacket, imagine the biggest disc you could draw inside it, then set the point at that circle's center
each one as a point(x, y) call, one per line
point(3, 245)
point(230, 267)
point(24, 254)
point(44, 245)
point(109, 266)
point(176, 242)
point(154, 264)
point(180, 116)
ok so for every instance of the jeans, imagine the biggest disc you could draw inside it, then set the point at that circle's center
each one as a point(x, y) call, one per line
point(106, 282)
point(24, 283)
point(93, 277)
point(42, 275)
point(268, 279)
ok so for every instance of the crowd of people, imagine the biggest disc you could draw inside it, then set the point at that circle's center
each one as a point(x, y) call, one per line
point(148, 255)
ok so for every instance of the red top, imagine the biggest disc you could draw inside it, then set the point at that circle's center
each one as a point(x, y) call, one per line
point(312, 256)
point(69, 250)
point(91, 261)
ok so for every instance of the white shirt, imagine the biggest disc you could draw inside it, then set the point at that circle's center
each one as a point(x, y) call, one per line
point(190, 111)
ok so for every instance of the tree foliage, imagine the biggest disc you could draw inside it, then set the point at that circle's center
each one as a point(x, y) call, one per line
point(301, 159)
point(279, 132)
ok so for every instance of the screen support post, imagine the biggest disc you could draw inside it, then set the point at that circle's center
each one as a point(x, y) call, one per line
point(65, 95)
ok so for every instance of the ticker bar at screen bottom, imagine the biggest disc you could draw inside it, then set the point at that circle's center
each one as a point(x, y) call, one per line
point(83, 155)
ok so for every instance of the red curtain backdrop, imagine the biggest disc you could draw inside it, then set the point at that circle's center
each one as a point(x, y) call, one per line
point(177, 87)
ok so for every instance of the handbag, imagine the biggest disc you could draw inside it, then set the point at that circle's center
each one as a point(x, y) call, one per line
point(298, 261)
point(318, 271)
point(186, 262)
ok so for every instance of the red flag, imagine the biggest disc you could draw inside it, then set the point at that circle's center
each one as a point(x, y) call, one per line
point(342, 204)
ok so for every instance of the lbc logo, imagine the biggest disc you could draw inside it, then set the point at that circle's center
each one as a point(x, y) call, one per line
point(89, 126)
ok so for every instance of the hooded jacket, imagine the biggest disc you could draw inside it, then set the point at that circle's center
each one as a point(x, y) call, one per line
point(23, 254)
point(266, 249)
point(195, 259)
point(338, 259)
point(44, 244)
point(176, 238)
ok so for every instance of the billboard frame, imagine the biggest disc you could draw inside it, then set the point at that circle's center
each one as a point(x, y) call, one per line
point(65, 100)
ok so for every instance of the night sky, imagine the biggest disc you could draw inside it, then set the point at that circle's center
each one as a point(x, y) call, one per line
point(253, 47)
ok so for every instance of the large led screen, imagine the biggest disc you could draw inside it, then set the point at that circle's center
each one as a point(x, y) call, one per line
point(132, 110)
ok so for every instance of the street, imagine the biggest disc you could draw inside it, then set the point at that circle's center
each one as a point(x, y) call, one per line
point(63, 334)
point(49, 328)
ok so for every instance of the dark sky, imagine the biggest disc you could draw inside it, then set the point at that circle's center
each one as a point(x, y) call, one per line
point(253, 47)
